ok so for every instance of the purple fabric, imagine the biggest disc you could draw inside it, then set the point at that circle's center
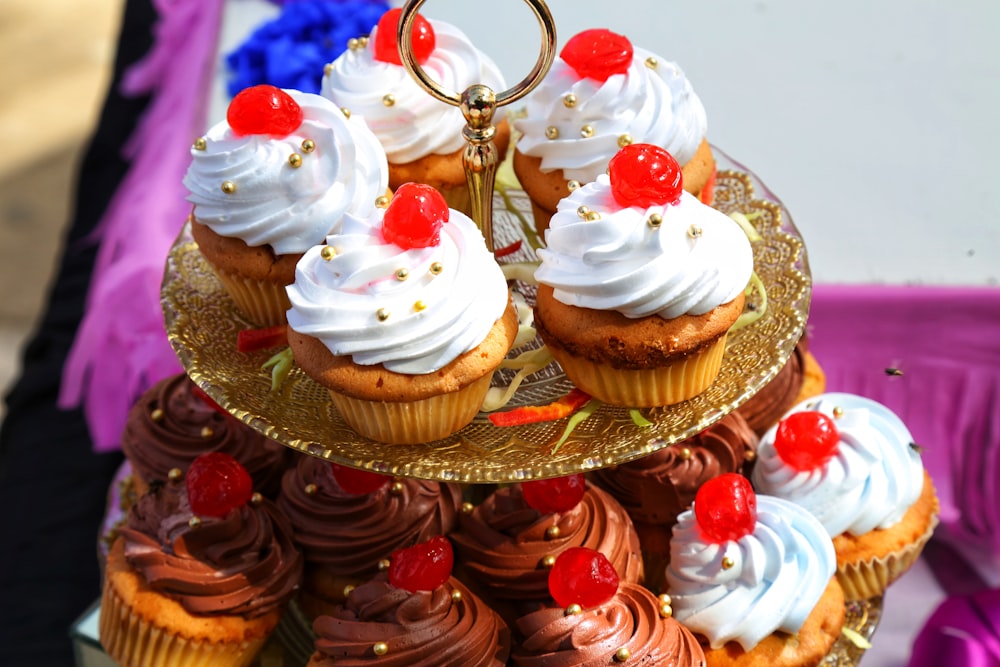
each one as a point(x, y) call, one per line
point(121, 348)
point(964, 630)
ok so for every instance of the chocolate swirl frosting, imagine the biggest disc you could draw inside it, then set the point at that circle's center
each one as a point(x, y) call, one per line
point(503, 542)
point(169, 426)
point(422, 629)
point(630, 620)
point(351, 533)
point(774, 399)
point(241, 564)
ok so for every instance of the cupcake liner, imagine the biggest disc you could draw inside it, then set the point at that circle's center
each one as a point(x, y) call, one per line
point(645, 388)
point(262, 302)
point(413, 422)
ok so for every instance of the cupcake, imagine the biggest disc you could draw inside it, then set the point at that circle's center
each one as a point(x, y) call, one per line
point(600, 621)
point(271, 181)
point(174, 421)
point(601, 94)
point(507, 543)
point(416, 613)
point(421, 135)
point(403, 317)
point(640, 283)
point(753, 577)
point(656, 488)
point(200, 573)
point(774, 399)
point(347, 521)
point(852, 463)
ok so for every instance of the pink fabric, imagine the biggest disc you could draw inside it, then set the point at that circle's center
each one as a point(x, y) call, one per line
point(121, 348)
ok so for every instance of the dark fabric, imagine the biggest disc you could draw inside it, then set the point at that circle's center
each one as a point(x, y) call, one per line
point(52, 485)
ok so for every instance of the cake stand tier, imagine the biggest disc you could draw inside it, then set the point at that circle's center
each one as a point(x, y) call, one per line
point(202, 325)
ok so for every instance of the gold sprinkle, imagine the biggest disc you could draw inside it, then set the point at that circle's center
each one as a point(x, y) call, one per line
point(346, 112)
point(552, 532)
point(156, 415)
point(685, 453)
point(308, 145)
point(622, 654)
point(295, 160)
point(420, 305)
point(382, 202)
point(593, 216)
point(587, 131)
point(548, 561)
point(651, 62)
point(347, 589)
point(380, 648)
point(382, 314)
point(363, 41)
point(256, 499)
point(694, 232)
point(396, 489)
point(328, 252)
point(200, 144)
point(467, 508)
point(311, 489)
point(583, 212)
point(228, 187)
point(665, 599)
point(749, 455)
point(624, 140)
point(328, 69)
point(437, 268)
point(574, 609)
point(388, 100)
point(352, 43)
point(384, 564)
point(654, 220)
point(552, 132)
point(573, 185)
point(207, 432)
point(402, 274)
point(175, 475)
point(727, 563)
point(569, 101)
point(456, 595)
point(194, 522)
point(838, 412)
point(666, 611)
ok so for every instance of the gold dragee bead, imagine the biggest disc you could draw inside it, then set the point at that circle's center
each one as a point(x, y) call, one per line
point(396, 489)
point(328, 69)
point(727, 563)
point(583, 212)
point(256, 499)
point(467, 508)
point(593, 216)
point(651, 62)
point(749, 455)
point(549, 561)
point(228, 187)
point(437, 268)
point(363, 41)
point(380, 648)
point(420, 305)
point(384, 564)
point(624, 140)
point(207, 432)
point(200, 144)
point(569, 100)
point(311, 489)
point(382, 314)
point(666, 611)
point(838, 412)
point(573, 610)
point(382, 201)
point(552, 132)
point(587, 131)
point(402, 274)
point(347, 589)
point(156, 415)
point(665, 599)
point(175, 475)
point(622, 654)
point(352, 43)
point(552, 532)
point(346, 112)
point(694, 231)
point(685, 453)
point(388, 100)
point(573, 185)
point(654, 220)
point(308, 145)
point(456, 596)
point(295, 160)
point(328, 252)
point(194, 522)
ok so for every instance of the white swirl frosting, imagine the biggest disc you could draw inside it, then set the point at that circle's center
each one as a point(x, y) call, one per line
point(778, 573)
point(874, 477)
point(653, 105)
point(338, 300)
point(621, 263)
point(274, 203)
point(415, 124)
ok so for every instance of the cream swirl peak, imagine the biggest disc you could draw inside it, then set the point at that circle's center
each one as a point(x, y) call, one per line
point(410, 123)
point(695, 259)
point(287, 191)
point(412, 310)
point(574, 122)
point(743, 590)
point(873, 478)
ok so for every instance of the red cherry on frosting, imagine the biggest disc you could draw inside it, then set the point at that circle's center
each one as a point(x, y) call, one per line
point(645, 175)
point(726, 508)
point(559, 494)
point(422, 567)
point(386, 47)
point(264, 109)
point(598, 54)
point(415, 216)
point(358, 482)
point(582, 576)
point(806, 440)
point(216, 484)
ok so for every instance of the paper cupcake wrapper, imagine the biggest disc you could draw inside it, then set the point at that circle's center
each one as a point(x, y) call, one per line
point(413, 422)
point(870, 578)
point(295, 635)
point(132, 641)
point(645, 388)
point(263, 303)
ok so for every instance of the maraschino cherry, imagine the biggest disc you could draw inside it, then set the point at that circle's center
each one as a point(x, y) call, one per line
point(264, 109)
point(806, 440)
point(598, 54)
point(422, 567)
point(217, 484)
point(415, 216)
point(358, 482)
point(582, 576)
point(725, 508)
point(559, 494)
point(645, 175)
point(386, 46)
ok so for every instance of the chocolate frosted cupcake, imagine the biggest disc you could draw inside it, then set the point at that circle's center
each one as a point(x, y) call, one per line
point(505, 545)
point(173, 422)
point(656, 488)
point(790, 386)
point(346, 521)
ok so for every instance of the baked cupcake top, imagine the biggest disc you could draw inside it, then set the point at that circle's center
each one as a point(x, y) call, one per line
point(634, 242)
point(283, 169)
point(173, 422)
point(743, 566)
point(847, 459)
point(602, 92)
point(412, 287)
point(370, 82)
point(214, 555)
point(350, 526)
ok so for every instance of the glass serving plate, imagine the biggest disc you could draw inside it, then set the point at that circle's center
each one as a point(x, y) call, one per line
point(202, 325)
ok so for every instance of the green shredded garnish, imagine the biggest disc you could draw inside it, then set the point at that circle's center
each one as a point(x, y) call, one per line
point(855, 638)
point(575, 420)
point(527, 228)
point(751, 316)
point(744, 221)
point(280, 365)
point(638, 419)
point(523, 271)
point(529, 362)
